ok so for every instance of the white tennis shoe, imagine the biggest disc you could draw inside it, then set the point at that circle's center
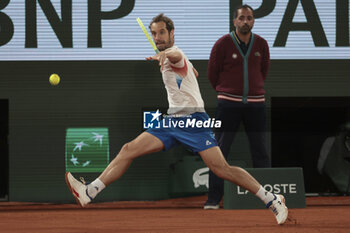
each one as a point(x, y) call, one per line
point(78, 189)
point(279, 208)
point(211, 207)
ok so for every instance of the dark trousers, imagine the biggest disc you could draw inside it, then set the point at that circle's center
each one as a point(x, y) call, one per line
point(231, 114)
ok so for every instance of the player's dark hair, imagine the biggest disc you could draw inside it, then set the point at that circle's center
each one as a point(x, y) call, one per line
point(162, 18)
point(245, 6)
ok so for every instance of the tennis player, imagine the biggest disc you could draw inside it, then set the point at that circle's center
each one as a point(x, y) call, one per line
point(179, 77)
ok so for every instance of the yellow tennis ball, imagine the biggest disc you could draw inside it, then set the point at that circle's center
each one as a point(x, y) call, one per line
point(54, 79)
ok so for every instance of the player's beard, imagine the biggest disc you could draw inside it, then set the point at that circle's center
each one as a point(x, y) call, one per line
point(245, 29)
point(165, 45)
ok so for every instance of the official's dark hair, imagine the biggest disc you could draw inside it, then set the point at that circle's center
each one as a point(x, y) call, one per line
point(162, 18)
point(245, 6)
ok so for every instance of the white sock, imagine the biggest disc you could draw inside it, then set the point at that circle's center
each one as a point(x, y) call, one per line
point(95, 187)
point(264, 195)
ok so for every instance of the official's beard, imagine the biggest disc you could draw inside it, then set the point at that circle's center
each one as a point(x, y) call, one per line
point(245, 29)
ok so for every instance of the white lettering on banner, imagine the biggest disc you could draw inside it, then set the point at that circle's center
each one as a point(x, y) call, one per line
point(274, 188)
point(293, 188)
point(101, 30)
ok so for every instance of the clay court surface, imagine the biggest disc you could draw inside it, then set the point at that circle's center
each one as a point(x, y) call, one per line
point(323, 214)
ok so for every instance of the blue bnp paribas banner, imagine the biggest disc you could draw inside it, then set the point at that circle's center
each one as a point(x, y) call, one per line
point(286, 181)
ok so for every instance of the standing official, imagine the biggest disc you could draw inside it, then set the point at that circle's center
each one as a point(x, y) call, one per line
point(238, 66)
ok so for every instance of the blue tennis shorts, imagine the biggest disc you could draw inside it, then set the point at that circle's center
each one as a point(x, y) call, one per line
point(194, 138)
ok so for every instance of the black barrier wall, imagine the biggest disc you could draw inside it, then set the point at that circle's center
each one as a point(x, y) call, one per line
point(112, 94)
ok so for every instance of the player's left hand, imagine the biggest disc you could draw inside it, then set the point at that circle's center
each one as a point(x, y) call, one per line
point(159, 57)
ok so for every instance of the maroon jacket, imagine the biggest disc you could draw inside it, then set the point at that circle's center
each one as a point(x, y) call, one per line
point(226, 70)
